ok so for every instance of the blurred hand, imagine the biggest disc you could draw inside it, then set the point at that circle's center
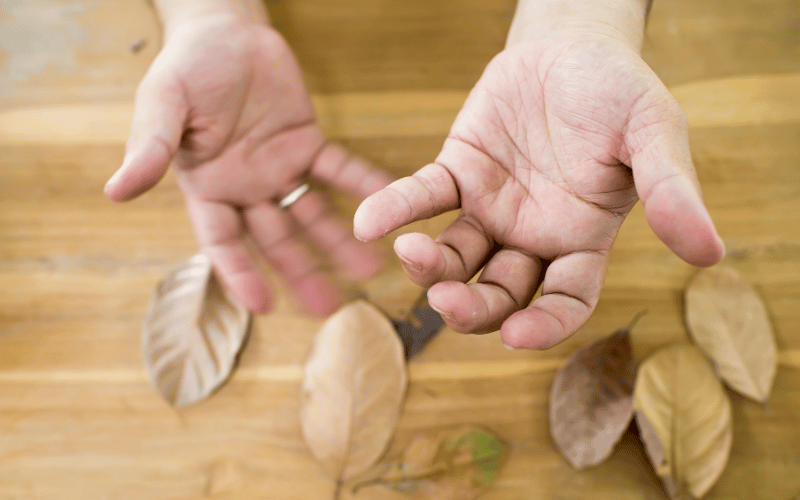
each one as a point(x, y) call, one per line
point(225, 103)
point(550, 152)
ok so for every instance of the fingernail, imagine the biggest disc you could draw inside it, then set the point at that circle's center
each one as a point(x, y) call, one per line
point(445, 315)
point(114, 180)
point(509, 347)
point(410, 266)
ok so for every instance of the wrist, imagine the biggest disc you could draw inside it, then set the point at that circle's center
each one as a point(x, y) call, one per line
point(175, 13)
point(623, 20)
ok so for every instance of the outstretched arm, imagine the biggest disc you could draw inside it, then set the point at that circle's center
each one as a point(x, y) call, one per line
point(566, 129)
point(225, 104)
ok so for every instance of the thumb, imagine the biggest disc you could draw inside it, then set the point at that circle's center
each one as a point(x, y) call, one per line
point(666, 182)
point(158, 119)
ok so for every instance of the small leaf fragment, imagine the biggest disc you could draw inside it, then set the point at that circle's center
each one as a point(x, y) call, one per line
point(728, 320)
point(353, 389)
point(685, 419)
point(456, 462)
point(591, 400)
point(192, 334)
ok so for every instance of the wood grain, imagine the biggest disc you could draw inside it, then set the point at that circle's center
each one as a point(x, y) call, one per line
point(77, 416)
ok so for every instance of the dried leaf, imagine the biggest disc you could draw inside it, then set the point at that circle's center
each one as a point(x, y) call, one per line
point(729, 322)
point(192, 334)
point(353, 389)
point(684, 417)
point(591, 400)
point(453, 463)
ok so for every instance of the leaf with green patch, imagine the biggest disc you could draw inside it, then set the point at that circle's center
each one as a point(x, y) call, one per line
point(456, 463)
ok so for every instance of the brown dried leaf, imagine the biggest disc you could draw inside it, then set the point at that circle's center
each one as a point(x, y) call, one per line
point(685, 420)
point(453, 463)
point(192, 334)
point(729, 322)
point(591, 400)
point(353, 389)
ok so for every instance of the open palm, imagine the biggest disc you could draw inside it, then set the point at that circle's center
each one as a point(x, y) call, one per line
point(550, 152)
point(226, 105)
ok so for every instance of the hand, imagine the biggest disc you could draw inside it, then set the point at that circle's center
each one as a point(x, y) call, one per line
point(226, 104)
point(545, 160)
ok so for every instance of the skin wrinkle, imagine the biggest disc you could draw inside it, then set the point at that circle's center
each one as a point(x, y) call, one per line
point(402, 196)
point(431, 191)
point(503, 127)
point(495, 191)
point(548, 128)
point(632, 133)
point(188, 142)
point(460, 258)
point(517, 304)
point(571, 189)
point(657, 184)
point(515, 118)
point(586, 304)
point(482, 151)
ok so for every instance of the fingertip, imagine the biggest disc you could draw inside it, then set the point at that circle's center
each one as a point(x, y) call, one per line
point(420, 257)
point(531, 329)
point(681, 221)
point(253, 293)
point(110, 189)
point(416, 250)
point(709, 255)
point(364, 224)
point(141, 169)
point(453, 301)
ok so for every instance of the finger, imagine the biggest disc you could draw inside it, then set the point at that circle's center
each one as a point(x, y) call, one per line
point(667, 184)
point(429, 192)
point(334, 165)
point(158, 119)
point(506, 285)
point(220, 231)
point(273, 233)
point(359, 260)
point(456, 255)
point(570, 291)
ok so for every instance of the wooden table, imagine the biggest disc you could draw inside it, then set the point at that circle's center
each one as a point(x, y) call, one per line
point(78, 419)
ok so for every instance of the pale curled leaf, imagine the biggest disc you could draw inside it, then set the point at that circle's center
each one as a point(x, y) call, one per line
point(685, 419)
point(353, 388)
point(729, 322)
point(591, 400)
point(192, 334)
point(454, 463)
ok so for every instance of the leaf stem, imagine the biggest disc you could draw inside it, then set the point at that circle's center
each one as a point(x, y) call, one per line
point(635, 320)
point(423, 474)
